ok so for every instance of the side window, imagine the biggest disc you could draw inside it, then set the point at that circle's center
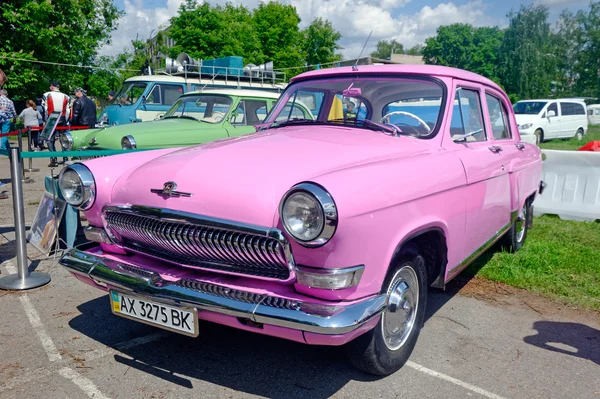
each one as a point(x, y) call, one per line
point(498, 118)
point(471, 116)
point(170, 94)
point(552, 107)
point(154, 97)
point(250, 112)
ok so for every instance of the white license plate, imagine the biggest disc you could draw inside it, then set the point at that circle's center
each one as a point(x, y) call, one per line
point(177, 319)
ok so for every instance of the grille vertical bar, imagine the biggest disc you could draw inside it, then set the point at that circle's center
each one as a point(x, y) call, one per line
point(196, 245)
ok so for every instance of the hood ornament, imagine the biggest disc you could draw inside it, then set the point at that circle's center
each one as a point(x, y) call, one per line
point(168, 190)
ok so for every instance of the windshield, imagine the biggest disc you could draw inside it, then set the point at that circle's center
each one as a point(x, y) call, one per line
point(129, 93)
point(397, 105)
point(529, 107)
point(203, 107)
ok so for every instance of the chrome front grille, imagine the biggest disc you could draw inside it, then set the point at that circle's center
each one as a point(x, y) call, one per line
point(195, 241)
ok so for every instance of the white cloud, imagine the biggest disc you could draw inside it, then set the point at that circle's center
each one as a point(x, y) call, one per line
point(139, 21)
point(353, 18)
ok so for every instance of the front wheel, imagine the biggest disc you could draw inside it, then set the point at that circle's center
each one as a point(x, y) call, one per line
point(579, 134)
point(387, 347)
point(539, 136)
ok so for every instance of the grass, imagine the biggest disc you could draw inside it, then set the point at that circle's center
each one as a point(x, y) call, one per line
point(560, 259)
point(593, 134)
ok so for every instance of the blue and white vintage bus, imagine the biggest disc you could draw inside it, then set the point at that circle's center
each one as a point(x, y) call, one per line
point(147, 97)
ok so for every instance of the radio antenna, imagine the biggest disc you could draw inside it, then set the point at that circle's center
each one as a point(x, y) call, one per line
point(354, 68)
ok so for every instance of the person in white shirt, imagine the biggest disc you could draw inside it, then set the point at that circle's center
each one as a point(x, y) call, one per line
point(55, 101)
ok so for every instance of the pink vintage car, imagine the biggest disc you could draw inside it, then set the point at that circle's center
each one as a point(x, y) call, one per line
point(325, 230)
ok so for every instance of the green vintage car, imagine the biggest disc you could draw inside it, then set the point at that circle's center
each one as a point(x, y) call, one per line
point(195, 118)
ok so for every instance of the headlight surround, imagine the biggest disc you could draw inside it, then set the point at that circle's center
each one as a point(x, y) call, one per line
point(525, 126)
point(66, 141)
point(77, 186)
point(128, 143)
point(309, 214)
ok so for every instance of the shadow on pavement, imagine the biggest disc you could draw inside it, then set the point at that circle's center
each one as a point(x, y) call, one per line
point(568, 338)
point(235, 359)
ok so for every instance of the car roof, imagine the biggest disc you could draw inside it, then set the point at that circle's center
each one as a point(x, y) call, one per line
point(412, 69)
point(235, 92)
point(571, 100)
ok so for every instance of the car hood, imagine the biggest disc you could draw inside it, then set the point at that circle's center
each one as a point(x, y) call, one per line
point(526, 118)
point(243, 178)
point(110, 137)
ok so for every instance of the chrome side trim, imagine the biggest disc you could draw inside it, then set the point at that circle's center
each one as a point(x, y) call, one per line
point(261, 308)
point(479, 251)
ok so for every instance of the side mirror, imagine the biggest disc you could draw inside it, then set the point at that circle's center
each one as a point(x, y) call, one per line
point(551, 114)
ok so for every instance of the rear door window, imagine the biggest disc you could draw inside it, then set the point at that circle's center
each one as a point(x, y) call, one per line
point(498, 118)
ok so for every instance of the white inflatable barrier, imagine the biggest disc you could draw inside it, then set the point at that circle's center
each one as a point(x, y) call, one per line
point(573, 185)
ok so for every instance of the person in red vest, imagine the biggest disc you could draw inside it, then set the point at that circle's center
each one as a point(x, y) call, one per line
point(55, 101)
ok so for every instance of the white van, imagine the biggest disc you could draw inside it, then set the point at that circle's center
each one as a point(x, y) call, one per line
point(551, 119)
point(593, 112)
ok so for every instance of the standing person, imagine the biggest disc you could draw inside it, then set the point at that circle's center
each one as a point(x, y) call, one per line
point(55, 101)
point(84, 110)
point(7, 109)
point(30, 117)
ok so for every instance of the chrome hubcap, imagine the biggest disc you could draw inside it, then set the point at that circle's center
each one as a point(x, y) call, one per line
point(403, 299)
point(521, 223)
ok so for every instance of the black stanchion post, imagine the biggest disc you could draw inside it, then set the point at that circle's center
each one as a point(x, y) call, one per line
point(22, 280)
point(30, 148)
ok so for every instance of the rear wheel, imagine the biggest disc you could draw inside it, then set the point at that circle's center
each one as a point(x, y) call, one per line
point(515, 238)
point(579, 134)
point(387, 347)
point(539, 136)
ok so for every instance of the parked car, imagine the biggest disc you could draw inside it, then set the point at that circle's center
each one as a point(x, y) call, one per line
point(195, 118)
point(551, 119)
point(593, 112)
point(327, 231)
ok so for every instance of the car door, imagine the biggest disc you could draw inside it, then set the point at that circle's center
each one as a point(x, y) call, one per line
point(488, 184)
point(553, 127)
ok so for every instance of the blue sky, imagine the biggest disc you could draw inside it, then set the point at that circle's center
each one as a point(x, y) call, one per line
point(408, 21)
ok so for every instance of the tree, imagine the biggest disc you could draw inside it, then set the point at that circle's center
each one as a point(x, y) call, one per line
point(416, 50)
point(528, 62)
point(320, 43)
point(386, 48)
point(466, 47)
point(569, 42)
point(276, 26)
point(60, 31)
point(587, 68)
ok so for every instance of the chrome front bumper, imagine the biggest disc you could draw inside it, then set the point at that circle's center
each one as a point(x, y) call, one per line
point(259, 308)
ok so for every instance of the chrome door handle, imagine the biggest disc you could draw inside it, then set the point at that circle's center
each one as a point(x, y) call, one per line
point(495, 149)
point(520, 146)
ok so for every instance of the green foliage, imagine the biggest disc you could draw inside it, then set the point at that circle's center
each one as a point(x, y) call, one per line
point(268, 33)
point(572, 144)
point(58, 31)
point(466, 47)
point(320, 42)
point(386, 48)
point(528, 62)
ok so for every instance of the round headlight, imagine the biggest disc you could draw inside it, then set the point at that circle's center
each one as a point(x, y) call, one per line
point(309, 214)
point(128, 143)
point(77, 186)
point(66, 141)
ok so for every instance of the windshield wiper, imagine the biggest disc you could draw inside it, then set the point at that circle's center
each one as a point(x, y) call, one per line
point(182, 116)
point(296, 121)
point(368, 124)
